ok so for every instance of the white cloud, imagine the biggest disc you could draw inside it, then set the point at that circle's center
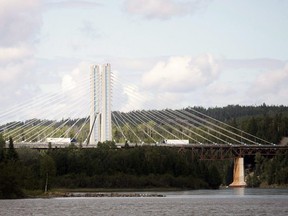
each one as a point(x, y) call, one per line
point(170, 83)
point(68, 83)
point(258, 63)
point(19, 21)
point(89, 30)
point(271, 87)
point(67, 94)
point(77, 79)
point(163, 9)
point(73, 4)
point(15, 73)
point(166, 100)
point(182, 74)
point(75, 86)
point(134, 65)
point(220, 89)
point(135, 98)
point(14, 53)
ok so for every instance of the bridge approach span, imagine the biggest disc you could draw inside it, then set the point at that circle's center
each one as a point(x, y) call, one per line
point(204, 151)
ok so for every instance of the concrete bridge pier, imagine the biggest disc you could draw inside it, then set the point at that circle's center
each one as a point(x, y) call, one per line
point(238, 173)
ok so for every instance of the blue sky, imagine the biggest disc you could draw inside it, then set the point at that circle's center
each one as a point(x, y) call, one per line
point(180, 52)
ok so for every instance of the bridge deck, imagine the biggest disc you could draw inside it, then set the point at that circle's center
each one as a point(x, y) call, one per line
point(204, 151)
point(222, 152)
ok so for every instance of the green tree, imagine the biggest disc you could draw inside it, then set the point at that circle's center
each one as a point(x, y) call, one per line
point(252, 126)
point(11, 153)
point(259, 164)
point(126, 144)
point(48, 170)
point(215, 179)
point(106, 145)
point(10, 181)
point(2, 145)
point(253, 180)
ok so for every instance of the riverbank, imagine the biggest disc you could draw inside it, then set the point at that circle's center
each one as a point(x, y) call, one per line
point(91, 194)
point(124, 192)
point(264, 185)
point(111, 190)
point(101, 192)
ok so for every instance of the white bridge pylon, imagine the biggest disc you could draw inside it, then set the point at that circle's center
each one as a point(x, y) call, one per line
point(100, 104)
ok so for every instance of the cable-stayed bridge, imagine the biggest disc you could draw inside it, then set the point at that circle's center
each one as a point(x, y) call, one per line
point(82, 114)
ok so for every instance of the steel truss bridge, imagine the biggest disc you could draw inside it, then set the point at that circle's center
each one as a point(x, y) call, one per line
point(203, 152)
point(224, 152)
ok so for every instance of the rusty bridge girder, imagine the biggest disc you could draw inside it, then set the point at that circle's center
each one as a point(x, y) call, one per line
point(224, 152)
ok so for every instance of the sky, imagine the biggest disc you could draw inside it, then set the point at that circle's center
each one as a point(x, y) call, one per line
point(163, 53)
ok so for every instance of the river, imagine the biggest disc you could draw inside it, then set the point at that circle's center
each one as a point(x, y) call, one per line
point(238, 201)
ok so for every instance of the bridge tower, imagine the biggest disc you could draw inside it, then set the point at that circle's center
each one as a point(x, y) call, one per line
point(100, 104)
point(238, 173)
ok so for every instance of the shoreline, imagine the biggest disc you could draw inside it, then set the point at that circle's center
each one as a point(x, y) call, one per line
point(105, 192)
point(119, 190)
point(122, 192)
point(113, 194)
point(95, 194)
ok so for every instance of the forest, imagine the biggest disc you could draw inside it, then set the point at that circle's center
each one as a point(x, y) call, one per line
point(24, 171)
point(103, 167)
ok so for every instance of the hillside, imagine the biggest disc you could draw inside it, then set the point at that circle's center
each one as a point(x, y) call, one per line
point(266, 122)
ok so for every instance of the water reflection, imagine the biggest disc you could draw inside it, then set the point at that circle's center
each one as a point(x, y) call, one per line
point(228, 192)
point(239, 191)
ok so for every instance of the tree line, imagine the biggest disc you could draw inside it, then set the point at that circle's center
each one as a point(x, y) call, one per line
point(29, 170)
point(103, 167)
point(268, 171)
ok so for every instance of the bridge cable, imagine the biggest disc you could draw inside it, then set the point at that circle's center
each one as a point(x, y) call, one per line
point(174, 128)
point(135, 124)
point(230, 127)
point(146, 124)
point(187, 123)
point(201, 119)
point(117, 125)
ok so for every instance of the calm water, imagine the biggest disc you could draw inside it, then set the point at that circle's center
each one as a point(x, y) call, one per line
point(200, 202)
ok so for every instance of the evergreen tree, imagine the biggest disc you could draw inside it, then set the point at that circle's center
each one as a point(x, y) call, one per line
point(10, 181)
point(252, 126)
point(2, 145)
point(214, 180)
point(11, 153)
point(253, 180)
point(48, 170)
